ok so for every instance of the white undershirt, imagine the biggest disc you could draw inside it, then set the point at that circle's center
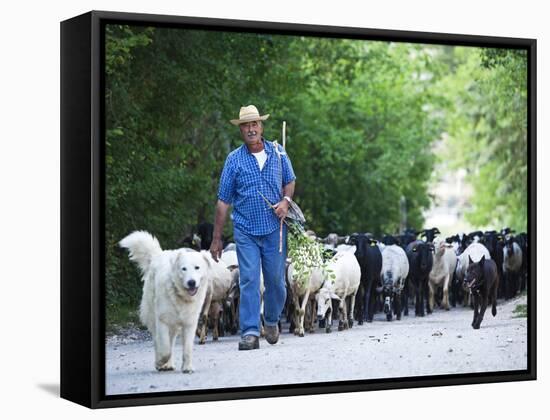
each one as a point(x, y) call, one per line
point(261, 157)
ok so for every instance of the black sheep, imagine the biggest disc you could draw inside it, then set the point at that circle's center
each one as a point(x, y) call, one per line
point(523, 242)
point(408, 236)
point(205, 231)
point(369, 258)
point(494, 242)
point(429, 234)
point(389, 240)
point(420, 258)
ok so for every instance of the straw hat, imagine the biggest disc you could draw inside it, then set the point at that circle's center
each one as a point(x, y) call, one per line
point(249, 113)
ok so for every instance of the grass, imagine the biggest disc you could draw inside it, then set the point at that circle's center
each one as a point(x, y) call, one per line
point(521, 311)
point(120, 316)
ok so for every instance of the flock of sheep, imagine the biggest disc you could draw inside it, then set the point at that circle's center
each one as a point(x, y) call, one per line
point(369, 275)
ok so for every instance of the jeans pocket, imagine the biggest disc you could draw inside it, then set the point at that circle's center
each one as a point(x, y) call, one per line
point(237, 234)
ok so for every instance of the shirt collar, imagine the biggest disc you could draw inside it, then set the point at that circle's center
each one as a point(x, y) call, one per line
point(268, 147)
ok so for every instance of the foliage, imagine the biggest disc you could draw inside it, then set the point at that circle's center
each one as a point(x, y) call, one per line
point(521, 311)
point(488, 129)
point(121, 316)
point(306, 255)
point(364, 135)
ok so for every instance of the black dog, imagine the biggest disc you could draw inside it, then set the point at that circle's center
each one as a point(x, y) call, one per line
point(482, 281)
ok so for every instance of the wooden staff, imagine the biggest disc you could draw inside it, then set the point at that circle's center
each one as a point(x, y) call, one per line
point(284, 134)
point(281, 227)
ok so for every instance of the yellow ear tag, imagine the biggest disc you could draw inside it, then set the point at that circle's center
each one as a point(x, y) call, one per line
point(372, 244)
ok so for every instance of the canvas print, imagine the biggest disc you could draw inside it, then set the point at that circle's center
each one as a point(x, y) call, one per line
point(296, 209)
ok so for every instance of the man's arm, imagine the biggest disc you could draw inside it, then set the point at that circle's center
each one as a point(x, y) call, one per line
point(288, 190)
point(281, 208)
point(216, 247)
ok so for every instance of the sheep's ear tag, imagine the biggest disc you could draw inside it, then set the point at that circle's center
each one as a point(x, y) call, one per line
point(414, 249)
point(372, 243)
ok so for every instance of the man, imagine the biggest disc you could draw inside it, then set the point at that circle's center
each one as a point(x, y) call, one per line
point(253, 170)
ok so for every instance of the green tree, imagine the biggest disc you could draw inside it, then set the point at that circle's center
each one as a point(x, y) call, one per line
point(487, 123)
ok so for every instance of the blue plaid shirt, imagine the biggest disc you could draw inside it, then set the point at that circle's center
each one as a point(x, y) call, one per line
point(242, 181)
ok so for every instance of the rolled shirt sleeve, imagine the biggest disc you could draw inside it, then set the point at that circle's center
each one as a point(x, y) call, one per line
point(288, 171)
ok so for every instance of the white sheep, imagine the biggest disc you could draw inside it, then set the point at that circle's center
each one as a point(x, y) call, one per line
point(395, 269)
point(229, 257)
point(303, 287)
point(444, 264)
point(346, 248)
point(341, 279)
point(220, 280)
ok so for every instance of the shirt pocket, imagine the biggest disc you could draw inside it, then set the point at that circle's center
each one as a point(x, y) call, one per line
point(247, 180)
point(270, 173)
point(271, 182)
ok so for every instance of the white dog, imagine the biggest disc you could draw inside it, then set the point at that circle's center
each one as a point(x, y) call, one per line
point(174, 289)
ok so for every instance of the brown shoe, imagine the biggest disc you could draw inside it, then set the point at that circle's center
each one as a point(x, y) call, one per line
point(249, 342)
point(272, 333)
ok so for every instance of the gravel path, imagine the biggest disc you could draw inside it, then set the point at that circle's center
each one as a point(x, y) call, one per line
point(442, 343)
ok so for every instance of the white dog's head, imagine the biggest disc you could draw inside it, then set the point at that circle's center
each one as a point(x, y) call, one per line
point(190, 268)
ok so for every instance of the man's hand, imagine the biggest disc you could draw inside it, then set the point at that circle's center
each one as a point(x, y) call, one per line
point(281, 209)
point(216, 249)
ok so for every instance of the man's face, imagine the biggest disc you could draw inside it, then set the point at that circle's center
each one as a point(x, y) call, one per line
point(251, 132)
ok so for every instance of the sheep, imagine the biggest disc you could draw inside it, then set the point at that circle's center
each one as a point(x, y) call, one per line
point(346, 248)
point(219, 284)
point(523, 242)
point(395, 268)
point(458, 242)
point(231, 246)
point(229, 257)
point(205, 231)
point(303, 286)
point(511, 267)
point(444, 264)
point(231, 304)
point(311, 234)
point(429, 234)
point(369, 257)
point(332, 240)
point(389, 240)
point(475, 237)
point(408, 236)
point(341, 279)
point(420, 258)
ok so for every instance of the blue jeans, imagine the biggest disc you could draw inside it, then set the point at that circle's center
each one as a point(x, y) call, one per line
point(255, 253)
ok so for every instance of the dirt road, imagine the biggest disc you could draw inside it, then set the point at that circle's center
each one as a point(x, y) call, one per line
point(442, 343)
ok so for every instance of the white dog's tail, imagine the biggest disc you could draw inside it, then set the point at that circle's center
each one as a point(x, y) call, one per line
point(142, 247)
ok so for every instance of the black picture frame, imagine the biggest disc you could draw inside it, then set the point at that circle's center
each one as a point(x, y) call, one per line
point(82, 209)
